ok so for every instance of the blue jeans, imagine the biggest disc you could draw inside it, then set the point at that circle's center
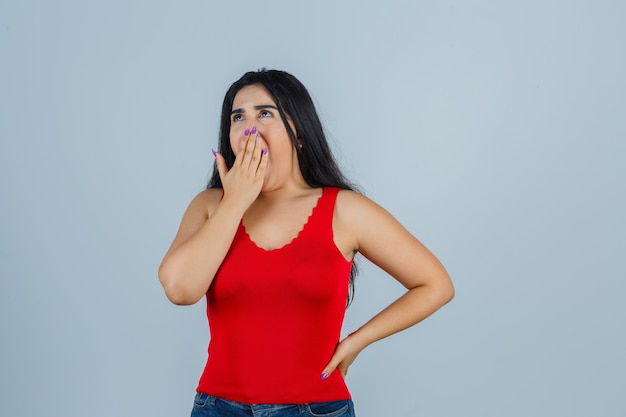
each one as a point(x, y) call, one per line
point(205, 405)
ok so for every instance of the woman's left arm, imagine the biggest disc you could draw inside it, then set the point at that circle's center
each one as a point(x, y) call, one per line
point(363, 226)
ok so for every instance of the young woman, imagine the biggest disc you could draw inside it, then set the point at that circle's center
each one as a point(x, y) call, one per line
point(271, 243)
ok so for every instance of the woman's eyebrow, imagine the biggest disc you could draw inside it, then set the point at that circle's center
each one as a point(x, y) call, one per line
point(259, 107)
point(265, 106)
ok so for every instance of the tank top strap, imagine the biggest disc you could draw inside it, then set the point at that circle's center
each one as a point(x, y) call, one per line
point(323, 218)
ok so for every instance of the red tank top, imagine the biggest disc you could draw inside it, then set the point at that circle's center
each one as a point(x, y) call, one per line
point(275, 317)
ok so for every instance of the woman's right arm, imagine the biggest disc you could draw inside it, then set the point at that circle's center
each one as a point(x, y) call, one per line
point(203, 239)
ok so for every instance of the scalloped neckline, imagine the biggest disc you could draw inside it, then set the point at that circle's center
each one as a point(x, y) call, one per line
point(292, 241)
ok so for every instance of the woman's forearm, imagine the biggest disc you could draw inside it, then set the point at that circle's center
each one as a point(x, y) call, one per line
point(411, 308)
point(414, 306)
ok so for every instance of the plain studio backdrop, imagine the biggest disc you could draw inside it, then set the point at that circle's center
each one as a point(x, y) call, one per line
point(493, 130)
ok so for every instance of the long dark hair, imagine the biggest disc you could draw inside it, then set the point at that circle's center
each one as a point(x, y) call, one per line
point(317, 164)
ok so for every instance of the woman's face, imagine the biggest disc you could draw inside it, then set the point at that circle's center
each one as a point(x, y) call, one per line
point(253, 106)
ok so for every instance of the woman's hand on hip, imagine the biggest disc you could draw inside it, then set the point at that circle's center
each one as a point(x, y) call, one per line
point(345, 353)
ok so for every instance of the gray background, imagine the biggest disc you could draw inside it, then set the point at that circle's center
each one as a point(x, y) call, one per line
point(493, 130)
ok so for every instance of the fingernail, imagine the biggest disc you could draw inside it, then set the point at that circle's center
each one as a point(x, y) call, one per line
point(253, 130)
point(264, 151)
point(258, 136)
point(214, 153)
point(324, 376)
point(246, 132)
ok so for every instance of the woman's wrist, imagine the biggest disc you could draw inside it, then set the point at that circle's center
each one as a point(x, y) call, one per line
point(360, 339)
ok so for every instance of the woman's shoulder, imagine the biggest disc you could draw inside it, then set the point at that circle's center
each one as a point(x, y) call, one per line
point(349, 204)
point(352, 206)
point(350, 199)
point(355, 217)
point(210, 195)
point(206, 200)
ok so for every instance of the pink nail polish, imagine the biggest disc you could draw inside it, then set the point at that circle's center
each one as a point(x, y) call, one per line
point(214, 153)
point(258, 136)
point(246, 132)
point(324, 376)
point(264, 151)
point(253, 131)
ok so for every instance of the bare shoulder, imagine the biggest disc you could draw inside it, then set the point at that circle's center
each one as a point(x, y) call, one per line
point(205, 202)
point(355, 218)
point(354, 207)
point(365, 224)
point(201, 207)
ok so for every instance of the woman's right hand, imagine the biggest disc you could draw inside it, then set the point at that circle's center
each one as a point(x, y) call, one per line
point(243, 182)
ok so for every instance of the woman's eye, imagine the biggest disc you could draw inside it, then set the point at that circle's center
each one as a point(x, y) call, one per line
point(266, 113)
point(237, 117)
